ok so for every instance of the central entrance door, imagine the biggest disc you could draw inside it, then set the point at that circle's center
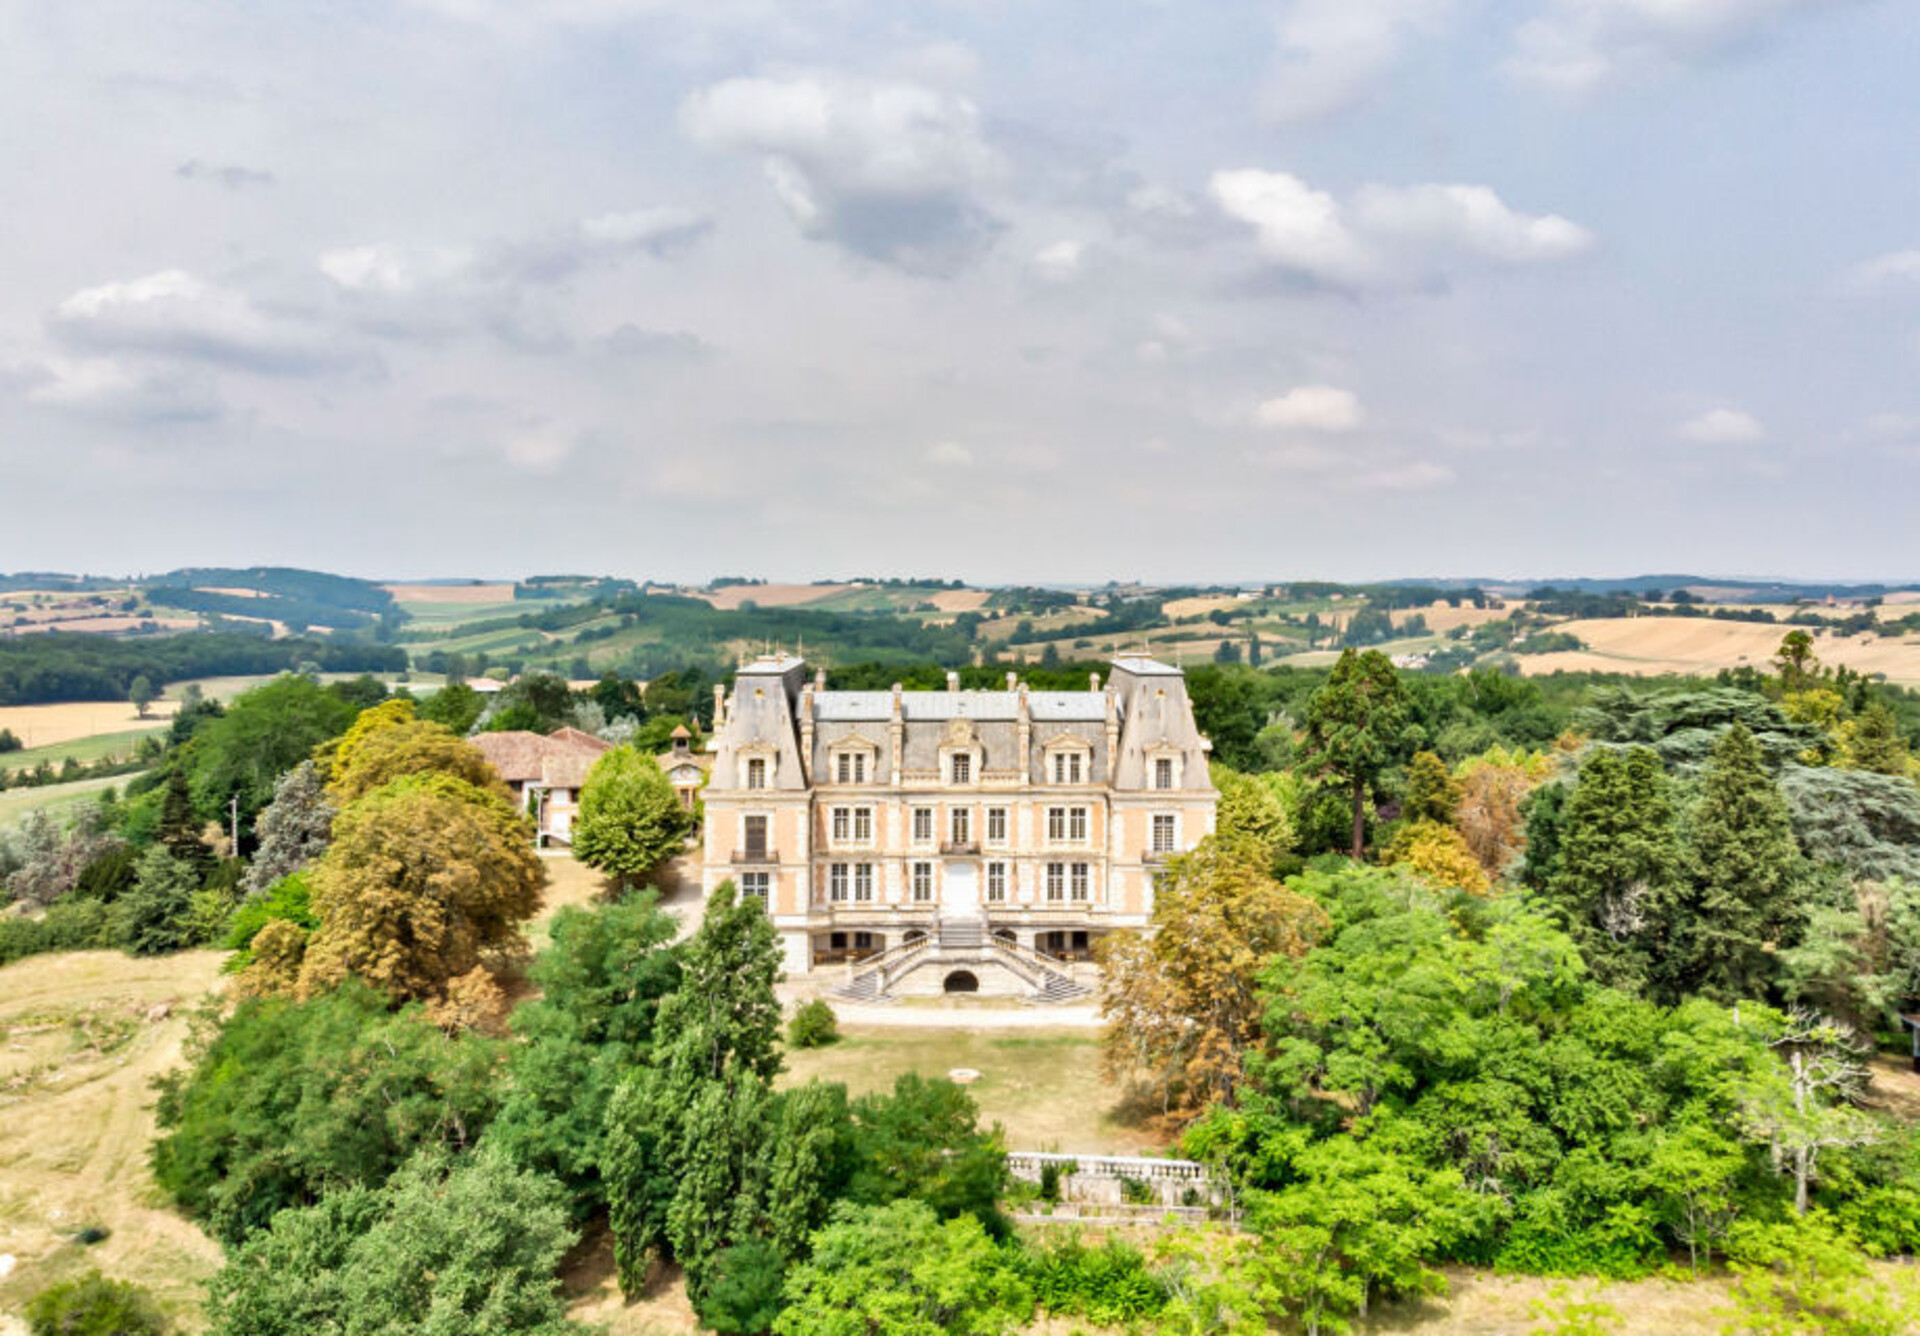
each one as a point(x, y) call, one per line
point(961, 895)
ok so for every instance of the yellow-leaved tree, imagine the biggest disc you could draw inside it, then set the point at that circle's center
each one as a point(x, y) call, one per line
point(1182, 1006)
point(1493, 785)
point(428, 878)
point(387, 742)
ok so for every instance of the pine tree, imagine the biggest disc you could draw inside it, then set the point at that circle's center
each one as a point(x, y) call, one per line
point(293, 828)
point(1742, 859)
point(1433, 794)
point(179, 828)
point(1356, 728)
point(1872, 741)
point(1618, 854)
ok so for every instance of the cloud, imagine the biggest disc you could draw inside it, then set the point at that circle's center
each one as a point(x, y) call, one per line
point(1722, 426)
point(890, 172)
point(402, 290)
point(1059, 263)
point(1331, 53)
point(105, 388)
point(1896, 269)
point(231, 176)
point(1312, 408)
point(175, 314)
point(950, 454)
point(630, 340)
point(1388, 236)
point(1353, 468)
point(1578, 44)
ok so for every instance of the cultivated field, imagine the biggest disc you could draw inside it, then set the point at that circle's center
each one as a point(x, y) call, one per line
point(1650, 646)
point(66, 721)
point(53, 798)
point(772, 595)
point(1444, 617)
point(1202, 604)
point(456, 593)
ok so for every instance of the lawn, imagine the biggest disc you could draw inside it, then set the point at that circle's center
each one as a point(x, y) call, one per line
point(1043, 1086)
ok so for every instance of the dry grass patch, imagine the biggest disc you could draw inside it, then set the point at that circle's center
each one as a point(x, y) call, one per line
point(960, 600)
point(1443, 617)
point(86, 1033)
point(1652, 646)
point(433, 593)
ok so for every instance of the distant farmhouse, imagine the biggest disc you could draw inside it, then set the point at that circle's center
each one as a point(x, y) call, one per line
point(546, 774)
point(953, 841)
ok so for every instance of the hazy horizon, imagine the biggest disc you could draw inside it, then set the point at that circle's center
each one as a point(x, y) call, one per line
point(1333, 289)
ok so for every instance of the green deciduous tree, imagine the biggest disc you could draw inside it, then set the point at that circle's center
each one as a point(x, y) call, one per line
point(601, 982)
point(289, 1099)
point(923, 1140)
point(1251, 810)
point(901, 1270)
point(630, 819)
point(448, 1247)
point(1356, 728)
point(142, 694)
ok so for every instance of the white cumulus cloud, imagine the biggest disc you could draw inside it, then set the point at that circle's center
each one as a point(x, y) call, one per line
point(949, 454)
point(1722, 426)
point(1576, 44)
point(1061, 262)
point(1312, 408)
point(1388, 235)
point(1896, 269)
point(178, 315)
point(888, 171)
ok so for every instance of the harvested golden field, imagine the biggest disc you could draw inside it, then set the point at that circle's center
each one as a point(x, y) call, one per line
point(84, 1036)
point(772, 595)
point(1444, 617)
point(432, 593)
point(48, 725)
point(961, 600)
point(1650, 646)
point(1202, 604)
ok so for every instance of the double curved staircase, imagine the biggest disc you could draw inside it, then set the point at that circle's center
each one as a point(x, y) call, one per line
point(960, 943)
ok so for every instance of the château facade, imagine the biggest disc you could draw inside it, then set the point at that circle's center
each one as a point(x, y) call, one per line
point(1009, 828)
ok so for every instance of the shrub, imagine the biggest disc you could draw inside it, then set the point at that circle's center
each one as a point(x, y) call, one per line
point(743, 1293)
point(288, 899)
point(1110, 1284)
point(95, 1306)
point(1052, 1174)
point(71, 925)
point(813, 1026)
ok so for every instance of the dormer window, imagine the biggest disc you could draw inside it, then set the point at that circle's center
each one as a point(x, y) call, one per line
point(852, 761)
point(1070, 767)
point(962, 768)
point(756, 772)
point(1163, 772)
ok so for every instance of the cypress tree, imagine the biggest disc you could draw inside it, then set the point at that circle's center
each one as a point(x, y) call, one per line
point(1619, 856)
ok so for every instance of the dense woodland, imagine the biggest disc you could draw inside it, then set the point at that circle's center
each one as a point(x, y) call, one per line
point(1557, 977)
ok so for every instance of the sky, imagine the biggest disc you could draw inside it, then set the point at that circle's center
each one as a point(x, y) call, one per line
point(1059, 290)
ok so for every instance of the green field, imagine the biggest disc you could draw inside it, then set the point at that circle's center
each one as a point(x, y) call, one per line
point(119, 745)
point(15, 804)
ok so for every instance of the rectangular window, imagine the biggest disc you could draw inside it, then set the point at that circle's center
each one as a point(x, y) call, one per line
point(1162, 834)
point(842, 823)
point(960, 819)
point(1079, 881)
point(863, 882)
point(755, 831)
point(837, 882)
point(863, 823)
point(1068, 767)
point(963, 769)
point(923, 881)
point(1056, 880)
point(1077, 824)
point(756, 883)
point(922, 825)
point(757, 772)
point(996, 825)
point(1056, 824)
point(1163, 773)
point(996, 882)
point(843, 768)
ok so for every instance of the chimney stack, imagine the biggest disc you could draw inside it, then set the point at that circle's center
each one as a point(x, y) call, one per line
point(953, 680)
point(1013, 679)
